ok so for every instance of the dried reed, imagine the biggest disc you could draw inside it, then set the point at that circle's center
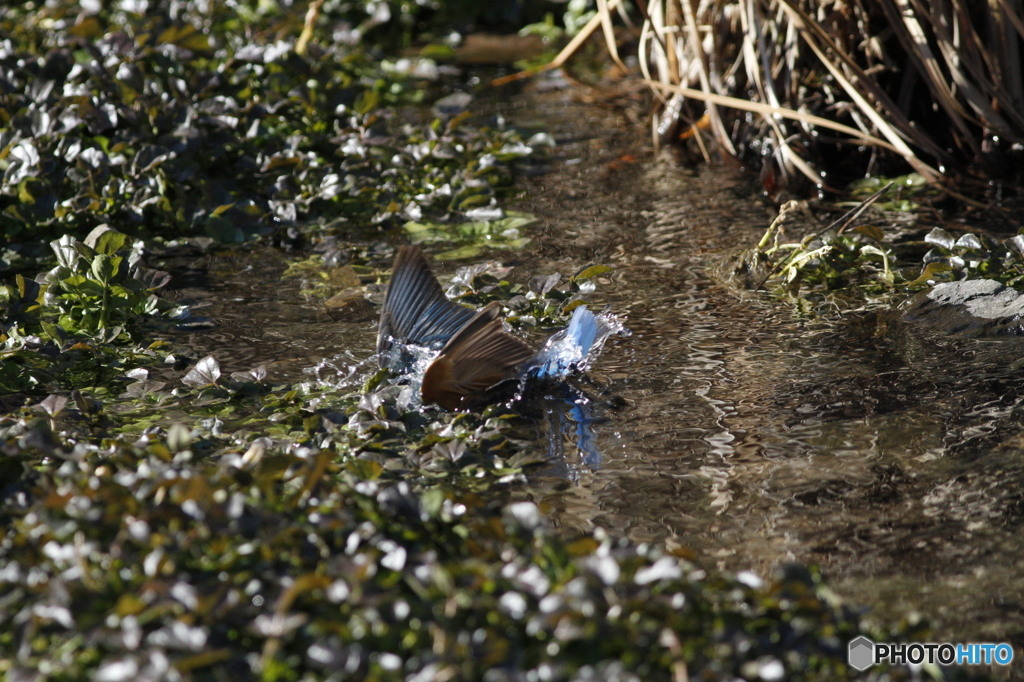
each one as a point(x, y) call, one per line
point(938, 83)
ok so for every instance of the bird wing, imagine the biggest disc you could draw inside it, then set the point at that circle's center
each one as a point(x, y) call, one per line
point(479, 356)
point(415, 308)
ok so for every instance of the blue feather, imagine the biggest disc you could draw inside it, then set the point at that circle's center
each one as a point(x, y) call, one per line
point(566, 351)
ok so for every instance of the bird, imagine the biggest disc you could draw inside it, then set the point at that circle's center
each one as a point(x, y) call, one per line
point(477, 360)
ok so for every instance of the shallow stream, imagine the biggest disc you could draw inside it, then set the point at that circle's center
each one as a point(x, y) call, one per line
point(746, 432)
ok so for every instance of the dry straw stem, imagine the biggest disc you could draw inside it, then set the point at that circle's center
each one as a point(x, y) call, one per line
point(312, 15)
point(866, 107)
point(602, 18)
point(879, 55)
point(812, 32)
point(767, 110)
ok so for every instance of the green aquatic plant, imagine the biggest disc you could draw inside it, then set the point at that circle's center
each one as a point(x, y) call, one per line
point(336, 546)
point(96, 292)
point(171, 123)
point(832, 258)
point(545, 301)
point(894, 194)
point(494, 229)
point(76, 322)
point(973, 256)
point(93, 290)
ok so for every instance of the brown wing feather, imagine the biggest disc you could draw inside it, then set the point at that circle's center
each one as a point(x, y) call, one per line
point(481, 355)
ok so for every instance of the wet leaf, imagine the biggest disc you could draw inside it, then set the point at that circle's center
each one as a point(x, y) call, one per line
point(205, 373)
point(1016, 244)
point(110, 242)
point(366, 470)
point(870, 231)
point(53, 404)
point(152, 279)
point(67, 253)
point(929, 272)
point(140, 389)
point(366, 102)
point(27, 289)
point(257, 374)
point(104, 267)
point(543, 285)
point(970, 242)
point(939, 237)
point(592, 271)
point(462, 253)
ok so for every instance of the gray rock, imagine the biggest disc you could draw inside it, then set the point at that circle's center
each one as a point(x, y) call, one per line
point(978, 307)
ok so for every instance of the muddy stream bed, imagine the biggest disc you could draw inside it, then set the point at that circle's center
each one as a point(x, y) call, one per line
point(735, 427)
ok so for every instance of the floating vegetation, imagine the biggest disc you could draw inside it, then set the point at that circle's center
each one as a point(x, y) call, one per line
point(149, 124)
point(974, 256)
point(165, 518)
point(841, 258)
point(490, 229)
point(195, 553)
point(837, 257)
point(72, 321)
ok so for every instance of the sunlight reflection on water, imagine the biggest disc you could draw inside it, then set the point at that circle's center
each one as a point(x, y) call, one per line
point(750, 433)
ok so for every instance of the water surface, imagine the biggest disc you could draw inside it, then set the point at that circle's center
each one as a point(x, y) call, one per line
point(747, 432)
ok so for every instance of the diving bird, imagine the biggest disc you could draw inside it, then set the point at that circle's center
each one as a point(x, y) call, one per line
point(477, 358)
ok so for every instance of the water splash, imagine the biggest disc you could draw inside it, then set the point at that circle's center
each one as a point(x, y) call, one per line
point(569, 351)
point(410, 370)
point(339, 373)
point(574, 348)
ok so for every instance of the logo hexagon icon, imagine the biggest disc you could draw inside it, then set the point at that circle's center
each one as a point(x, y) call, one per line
point(861, 654)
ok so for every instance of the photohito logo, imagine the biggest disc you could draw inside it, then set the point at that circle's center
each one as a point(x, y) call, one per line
point(863, 653)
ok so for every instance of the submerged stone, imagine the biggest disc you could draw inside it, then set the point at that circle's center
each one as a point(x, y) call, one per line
point(979, 307)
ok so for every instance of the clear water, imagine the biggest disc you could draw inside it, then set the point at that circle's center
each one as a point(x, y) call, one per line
point(748, 433)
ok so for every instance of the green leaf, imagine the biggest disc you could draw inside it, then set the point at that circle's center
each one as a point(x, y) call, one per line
point(870, 231)
point(77, 284)
point(111, 241)
point(438, 51)
point(461, 253)
point(104, 267)
point(53, 331)
point(365, 469)
point(929, 272)
point(25, 195)
point(367, 101)
point(592, 271)
point(27, 288)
